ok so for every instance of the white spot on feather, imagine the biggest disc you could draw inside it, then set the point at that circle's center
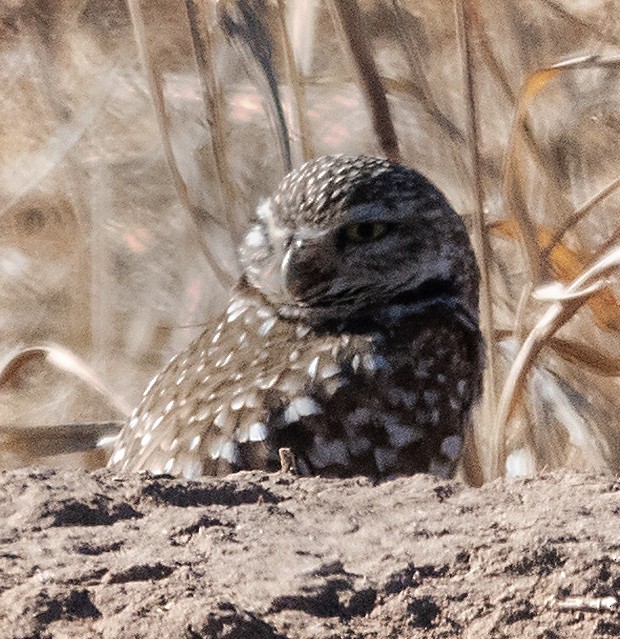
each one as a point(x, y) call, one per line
point(324, 452)
point(440, 469)
point(329, 370)
point(301, 407)
point(234, 315)
point(358, 416)
point(385, 458)
point(451, 447)
point(358, 445)
point(368, 362)
point(257, 432)
point(194, 443)
point(223, 360)
point(225, 449)
point(301, 331)
point(221, 418)
point(401, 435)
point(267, 383)
point(150, 385)
point(230, 452)
point(238, 403)
point(119, 455)
point(266, 326)
point(192, 469)
point(313, 367)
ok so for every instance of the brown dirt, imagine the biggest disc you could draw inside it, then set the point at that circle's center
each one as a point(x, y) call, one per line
point(273, 556)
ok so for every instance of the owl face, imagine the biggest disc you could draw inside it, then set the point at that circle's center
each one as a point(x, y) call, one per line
point(363, 240)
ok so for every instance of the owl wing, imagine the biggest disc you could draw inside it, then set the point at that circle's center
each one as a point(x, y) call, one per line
point(209, 410)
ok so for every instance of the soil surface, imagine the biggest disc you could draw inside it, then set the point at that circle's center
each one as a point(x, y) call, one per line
point(274, 556)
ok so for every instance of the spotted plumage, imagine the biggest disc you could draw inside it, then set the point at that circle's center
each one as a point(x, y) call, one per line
point(352, 338)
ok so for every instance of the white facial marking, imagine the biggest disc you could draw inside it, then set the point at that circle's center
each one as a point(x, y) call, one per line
point(265, 211)
point(255, 238)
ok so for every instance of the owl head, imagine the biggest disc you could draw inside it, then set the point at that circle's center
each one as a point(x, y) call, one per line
point(348, 239)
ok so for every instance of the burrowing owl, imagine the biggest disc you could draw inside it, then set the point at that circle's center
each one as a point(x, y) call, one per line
point(352, 338)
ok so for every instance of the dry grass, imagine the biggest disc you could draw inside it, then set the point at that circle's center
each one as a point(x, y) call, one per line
point(137, 138)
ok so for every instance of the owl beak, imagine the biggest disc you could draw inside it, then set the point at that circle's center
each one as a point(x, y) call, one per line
point(307, 268)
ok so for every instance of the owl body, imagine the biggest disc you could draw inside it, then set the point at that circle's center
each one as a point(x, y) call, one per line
point(371, 371)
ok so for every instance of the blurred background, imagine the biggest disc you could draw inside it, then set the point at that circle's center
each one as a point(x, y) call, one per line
point(137, 137)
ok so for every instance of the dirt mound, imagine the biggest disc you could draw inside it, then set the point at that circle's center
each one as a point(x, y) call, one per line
point(274, 556)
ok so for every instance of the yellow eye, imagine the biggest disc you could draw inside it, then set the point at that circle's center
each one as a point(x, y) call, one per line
point(365, 232)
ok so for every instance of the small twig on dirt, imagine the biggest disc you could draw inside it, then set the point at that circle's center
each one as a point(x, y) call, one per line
point(588, 604)
point(287, 461)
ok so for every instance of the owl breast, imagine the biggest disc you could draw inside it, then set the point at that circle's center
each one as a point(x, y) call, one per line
point(373, 402)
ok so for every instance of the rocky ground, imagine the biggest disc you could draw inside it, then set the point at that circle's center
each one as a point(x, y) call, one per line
point(274, 556)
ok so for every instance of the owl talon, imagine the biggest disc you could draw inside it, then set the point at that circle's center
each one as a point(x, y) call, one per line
point(287, 461)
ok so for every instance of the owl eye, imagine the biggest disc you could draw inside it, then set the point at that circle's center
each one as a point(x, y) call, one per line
point(364, 232)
